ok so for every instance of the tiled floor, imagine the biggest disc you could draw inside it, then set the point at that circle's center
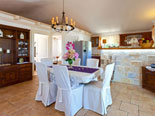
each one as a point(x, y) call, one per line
point(128, 100)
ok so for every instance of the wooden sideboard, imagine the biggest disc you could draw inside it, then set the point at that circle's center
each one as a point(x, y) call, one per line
point(14, 49)
point(16, 73)
point(148, 79)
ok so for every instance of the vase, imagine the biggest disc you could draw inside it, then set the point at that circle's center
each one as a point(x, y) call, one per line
point(70, 66)
point(70, 62)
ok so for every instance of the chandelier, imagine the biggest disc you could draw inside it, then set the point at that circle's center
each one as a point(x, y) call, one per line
point(64, 24)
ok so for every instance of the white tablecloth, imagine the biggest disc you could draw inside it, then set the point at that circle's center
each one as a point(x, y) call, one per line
point(80, 77)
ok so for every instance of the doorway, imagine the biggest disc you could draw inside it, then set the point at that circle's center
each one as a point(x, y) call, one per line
point(40, 47)
point(57, 47)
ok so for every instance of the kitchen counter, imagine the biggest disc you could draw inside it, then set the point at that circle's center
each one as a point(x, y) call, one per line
point(128, 63)
point(124, 48)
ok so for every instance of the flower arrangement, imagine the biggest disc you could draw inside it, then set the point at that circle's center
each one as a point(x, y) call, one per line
point(71, 55)
point(146, 42)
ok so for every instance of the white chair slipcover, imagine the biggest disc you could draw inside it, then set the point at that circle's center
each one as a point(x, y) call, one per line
point(47, 90)
point(69, 100)
point(77, 62)
point(97, 95)
point(47, 61)
point(91, 62)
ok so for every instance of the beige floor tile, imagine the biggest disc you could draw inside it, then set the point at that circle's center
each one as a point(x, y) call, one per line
point(91, 113)
point(132, 114)
point(116, 104)
point(145, 114)
point(130, 108)
point(123, 98)
point(82, 112)
point(7, 108)
point(3, 115)
point(147, 109)
point(19, 100)
point(23, 112)
point(114, 112)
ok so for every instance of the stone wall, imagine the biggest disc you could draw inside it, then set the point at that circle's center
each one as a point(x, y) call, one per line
point(129, 63)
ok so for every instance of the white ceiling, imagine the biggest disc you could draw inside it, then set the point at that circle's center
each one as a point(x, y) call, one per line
point(95, 16)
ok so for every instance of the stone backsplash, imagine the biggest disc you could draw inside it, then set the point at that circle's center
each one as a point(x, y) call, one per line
point(128, 68)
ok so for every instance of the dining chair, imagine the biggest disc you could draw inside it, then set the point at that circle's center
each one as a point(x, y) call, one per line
point(47, 61)
point(69, 99)
point(77, 62)
point(47, 90)
point(97, 95)
point(91, 62)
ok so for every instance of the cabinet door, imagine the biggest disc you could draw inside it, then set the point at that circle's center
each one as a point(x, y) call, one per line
point(95, 41)
point(9, 77)
point(25, 73)
point(150, 80)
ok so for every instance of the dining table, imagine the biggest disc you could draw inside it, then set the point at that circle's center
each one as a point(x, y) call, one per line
point(79, 74)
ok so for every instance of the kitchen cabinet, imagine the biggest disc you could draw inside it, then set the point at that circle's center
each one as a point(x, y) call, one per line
point(148, 79)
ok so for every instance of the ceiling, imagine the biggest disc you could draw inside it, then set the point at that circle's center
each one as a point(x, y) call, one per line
point(94, 16)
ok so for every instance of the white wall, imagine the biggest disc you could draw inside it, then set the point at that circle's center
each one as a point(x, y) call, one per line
point(41, 28)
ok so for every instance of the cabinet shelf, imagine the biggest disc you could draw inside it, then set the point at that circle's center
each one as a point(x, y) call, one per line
point(7, 38)
point(20, 47)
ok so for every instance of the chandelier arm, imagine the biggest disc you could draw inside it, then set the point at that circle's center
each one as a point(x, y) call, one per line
point(63, 26)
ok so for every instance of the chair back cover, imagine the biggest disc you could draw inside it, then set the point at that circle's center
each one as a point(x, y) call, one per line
point(77, 62)
point(92, 62)
point(47, 61)
point(62, 76)
point(42, 72)
point(108, 74)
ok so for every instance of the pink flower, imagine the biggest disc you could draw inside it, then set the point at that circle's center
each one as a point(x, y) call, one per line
point(70, 45)
point(71, 54)
point(73, 46)
point(65, 56)
point(67, 47)
point(76, 55)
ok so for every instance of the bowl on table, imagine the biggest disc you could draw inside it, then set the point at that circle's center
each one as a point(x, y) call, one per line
point(152, 65)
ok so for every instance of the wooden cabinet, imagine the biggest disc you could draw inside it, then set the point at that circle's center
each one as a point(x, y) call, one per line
point(13, 74)
point(95, 41)
point(25, 72)
point(126, 37)
point(15, 48)
point(9, 75)
point(15, 44)
point(148, 79)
